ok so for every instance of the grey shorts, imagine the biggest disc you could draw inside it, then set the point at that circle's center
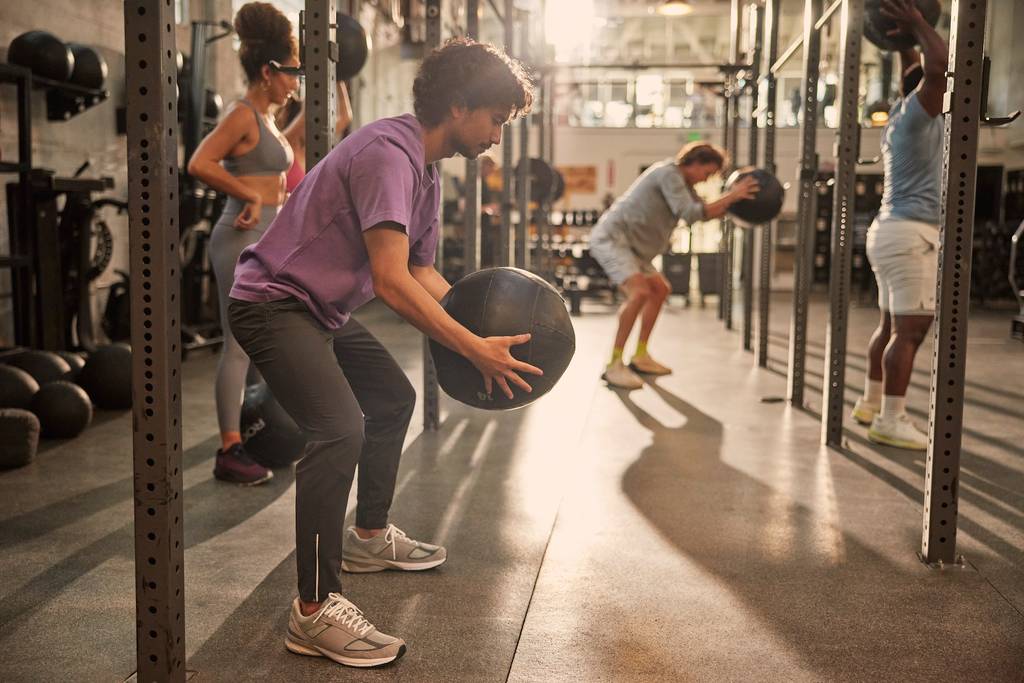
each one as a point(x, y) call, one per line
point(904, 258)
point(611, 249)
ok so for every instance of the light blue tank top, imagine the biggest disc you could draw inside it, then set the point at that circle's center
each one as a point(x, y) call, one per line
point(912, 154)
point(270, 156)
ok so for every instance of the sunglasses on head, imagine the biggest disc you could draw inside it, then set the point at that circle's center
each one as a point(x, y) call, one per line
point(287, 70)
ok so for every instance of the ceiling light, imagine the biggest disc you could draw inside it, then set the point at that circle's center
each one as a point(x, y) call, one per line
point(674, 8)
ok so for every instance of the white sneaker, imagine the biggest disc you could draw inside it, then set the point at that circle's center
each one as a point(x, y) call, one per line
point(898, 432)
point(648, 366)
point(618, 375)
point(864, 412)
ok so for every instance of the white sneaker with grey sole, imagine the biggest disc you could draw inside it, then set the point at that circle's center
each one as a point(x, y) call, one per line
point(392, 549)
point(618, 375)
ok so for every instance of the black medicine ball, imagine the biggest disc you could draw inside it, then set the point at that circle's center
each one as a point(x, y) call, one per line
point(502, 302)
point(269, 434)
point(63, 409)
point(17, 387)
point(762, 208)
point(353, 47)
point(877, 25)
point(90, 70)
point(44, 366)
point(44, 53)
point(107, 377)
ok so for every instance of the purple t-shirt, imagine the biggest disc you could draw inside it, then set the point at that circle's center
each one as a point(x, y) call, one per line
point(314, 249)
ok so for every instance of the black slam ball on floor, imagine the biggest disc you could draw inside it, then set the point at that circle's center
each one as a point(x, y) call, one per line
point(269, 434)
point(17, 387)
point(76, 361)
point(501, 302)
point(107, 377)
point(44, 366)
point(764, 206)
point(63, 409)
point(19, 437)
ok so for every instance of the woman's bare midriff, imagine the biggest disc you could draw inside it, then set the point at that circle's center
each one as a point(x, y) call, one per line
point(271, 188)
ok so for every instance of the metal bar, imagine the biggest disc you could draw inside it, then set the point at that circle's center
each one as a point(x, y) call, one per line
point(471, 212)
point(155, 334)
point(651, 65)
point(963, 109)
point(22, 278)
point(723, 243)
point(757, 32)
point(321, 94)
point(736, 34)
point(497, 12)
point(765, 284)
point(806, 208)
point(507, 205)
point(843, 207)
point(799, 42)
point(522, 250)
point(431, 388)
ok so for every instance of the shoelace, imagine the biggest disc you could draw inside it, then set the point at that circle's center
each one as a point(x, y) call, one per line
point(345, 613)
point(392, 533)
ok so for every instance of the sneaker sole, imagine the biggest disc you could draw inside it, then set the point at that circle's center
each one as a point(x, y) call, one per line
point(363, 567)
point(620, 386)
point(895, 443)
point(658, 373)
point(863, 418)
point(234, 480)
point(314, 651)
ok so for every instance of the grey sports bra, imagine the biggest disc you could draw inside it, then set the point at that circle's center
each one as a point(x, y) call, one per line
point(270, 156)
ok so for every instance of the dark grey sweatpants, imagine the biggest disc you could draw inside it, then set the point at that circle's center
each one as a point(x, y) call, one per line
point(350, 397)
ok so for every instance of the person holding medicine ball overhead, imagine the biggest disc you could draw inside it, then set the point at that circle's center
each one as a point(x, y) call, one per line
point(246, 157)
point(903, 241)
point(364, 223)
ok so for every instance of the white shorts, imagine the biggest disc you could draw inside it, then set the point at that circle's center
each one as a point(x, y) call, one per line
point(904, 256)
point(620, 262)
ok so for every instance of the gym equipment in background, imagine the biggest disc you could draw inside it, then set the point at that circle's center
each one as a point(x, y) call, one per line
point(19, 434)
point(43, 366)
point(63, 409)
point(269, 434)
point(17, 387)
point(1017, 324)
point(762, 208)
point(353, 47)
point(506, 302)
point(90, 70)
point(107, 377)
point(44, 53)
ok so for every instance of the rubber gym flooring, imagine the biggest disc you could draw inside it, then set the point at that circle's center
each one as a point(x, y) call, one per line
point(686, 531)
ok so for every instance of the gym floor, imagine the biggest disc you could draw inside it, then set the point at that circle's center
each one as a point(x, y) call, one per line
point(685, 531)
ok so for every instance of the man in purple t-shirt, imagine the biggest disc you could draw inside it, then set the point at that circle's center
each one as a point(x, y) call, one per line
point(364, 223)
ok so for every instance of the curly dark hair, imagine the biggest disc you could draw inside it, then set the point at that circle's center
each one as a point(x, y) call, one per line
point(699, 152)
point(466, 73)
point(266, 34)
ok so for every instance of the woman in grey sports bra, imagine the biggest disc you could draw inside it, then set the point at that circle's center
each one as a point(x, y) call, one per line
point(247, 158)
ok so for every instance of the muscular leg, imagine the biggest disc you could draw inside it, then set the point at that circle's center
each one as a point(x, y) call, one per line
point(876, 346)
point(659, 289)
point(638, 293)
point(898, 361)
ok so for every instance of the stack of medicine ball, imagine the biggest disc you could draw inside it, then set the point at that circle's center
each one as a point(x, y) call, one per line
point(52, 395)
point(47, 56)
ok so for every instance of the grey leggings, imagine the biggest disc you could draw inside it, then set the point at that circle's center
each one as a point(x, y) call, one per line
point(226, 243)
point(354, 404)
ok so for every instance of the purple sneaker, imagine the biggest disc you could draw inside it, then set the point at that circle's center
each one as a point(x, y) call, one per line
point(236, 466)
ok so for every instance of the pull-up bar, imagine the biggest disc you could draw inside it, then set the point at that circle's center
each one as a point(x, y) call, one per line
point(798, 43)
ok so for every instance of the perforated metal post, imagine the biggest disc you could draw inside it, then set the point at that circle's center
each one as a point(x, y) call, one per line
point(962, 107)
point(765, 284)
point(319, 55)
point(757, 31)
point(803, 261)
point(507, 169)
point(471, 212)
point(733, 132)
point(844, 197)
point(723, 244)
point(150, 74)
point(431, 389)
point(522, 250)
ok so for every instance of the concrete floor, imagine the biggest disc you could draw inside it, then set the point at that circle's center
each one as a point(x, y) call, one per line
point(686, 531)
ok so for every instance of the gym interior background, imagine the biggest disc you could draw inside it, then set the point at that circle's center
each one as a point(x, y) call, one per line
point(702, 528)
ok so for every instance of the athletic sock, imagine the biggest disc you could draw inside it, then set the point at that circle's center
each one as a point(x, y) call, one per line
point(873, 391)
point(641, 348)
point(616, 354)
point(893, 406)
point(229, 439)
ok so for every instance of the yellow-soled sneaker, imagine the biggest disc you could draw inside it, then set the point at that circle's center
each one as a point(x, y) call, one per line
point(898, 432)
point(646, 365)
point(864, 412)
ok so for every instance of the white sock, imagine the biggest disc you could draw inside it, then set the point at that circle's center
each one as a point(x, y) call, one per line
point(893, 406)
point(873, 391)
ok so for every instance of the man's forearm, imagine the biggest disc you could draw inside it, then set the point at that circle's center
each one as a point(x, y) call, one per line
point(933, 47)
point(432, 281)
point(415, 303)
